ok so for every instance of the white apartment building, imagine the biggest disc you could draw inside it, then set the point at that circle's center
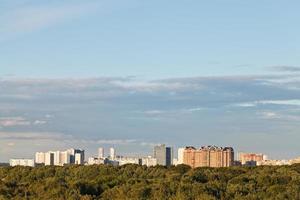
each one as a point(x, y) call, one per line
point(149, 161)
point(128, 160)
point(180, 156)
point(101, 152)
point(39, 157)
point(78, 159)
point(21, 162)
point(96, 161)
point(112, 153)
point(60, 158)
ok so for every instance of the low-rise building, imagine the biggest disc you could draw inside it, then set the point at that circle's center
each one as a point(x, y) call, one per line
point(128, 160)
point(97, 161)
point(149, 161)
point(21, 162)
point(273, 162)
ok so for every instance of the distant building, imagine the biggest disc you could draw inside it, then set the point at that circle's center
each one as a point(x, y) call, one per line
point(237, 163)
point(149, 161)
point(97, 161)
point(80, 158)
point(49, 158)
point(295, 161)
point(128, 160)
point(112, 153)
point(209, 156)
point(21, 162)
point(40, 157)
point(112, 162)
point(274, 162)
point(101, 152)
point(247, 158)
point(60, 158)
point(175, 161)
point(180, 156)
point(250, 163)
point(64, 158)
point(163, 155)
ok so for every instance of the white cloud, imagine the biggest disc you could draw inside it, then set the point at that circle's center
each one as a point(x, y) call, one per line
point(288, 102)
point(39, 122)
point(156, 86)
point(245, 105)
point(269, 115)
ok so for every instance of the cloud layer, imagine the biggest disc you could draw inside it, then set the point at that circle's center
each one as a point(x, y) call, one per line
point(248, 112)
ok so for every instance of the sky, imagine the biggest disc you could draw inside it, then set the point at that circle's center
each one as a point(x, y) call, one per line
point(135, 73)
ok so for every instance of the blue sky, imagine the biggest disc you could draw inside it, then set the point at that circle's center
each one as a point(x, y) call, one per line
point(147, 38)
point(136, 73)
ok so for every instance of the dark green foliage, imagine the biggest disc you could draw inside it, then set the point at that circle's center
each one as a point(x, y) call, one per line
point(140, 182)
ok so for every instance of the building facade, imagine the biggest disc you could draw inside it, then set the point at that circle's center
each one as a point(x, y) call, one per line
point(112, 153)
point(149, 161)
point(21, 162)
point(128, 160)
point(246, 158)
point(60, 158)
point(40, 157)
point(101, 152)
point(163, 155)
point(180, 156)
point(209, 156)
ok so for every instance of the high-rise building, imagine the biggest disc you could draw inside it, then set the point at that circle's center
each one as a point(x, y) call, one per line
point(101, 152)
point(40, 157)
point(50, 158)
point(245, 158)
point(210, 156)
point(79, 159)
point(163, 155)
point(64, 158)
point(60, 158)
point(73, 153)
point(112, 153)
point(180, 156)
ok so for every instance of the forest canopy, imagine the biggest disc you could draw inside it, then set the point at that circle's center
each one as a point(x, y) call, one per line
point(140, 182)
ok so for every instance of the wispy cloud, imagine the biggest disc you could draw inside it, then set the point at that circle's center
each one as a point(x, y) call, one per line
point(19, 121)
point(67, 139)
point(29, 17)
point(285, 68)
point(287, 102)
point(14, 121)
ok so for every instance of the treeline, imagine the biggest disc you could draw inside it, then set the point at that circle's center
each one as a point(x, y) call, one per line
point(140, 182)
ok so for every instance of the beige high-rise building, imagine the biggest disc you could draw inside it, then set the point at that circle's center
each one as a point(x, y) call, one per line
point(210, 156)
point(248, 157)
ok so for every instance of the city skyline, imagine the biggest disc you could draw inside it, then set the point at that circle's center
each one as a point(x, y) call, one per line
point(204, 156)
point(135, 74)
